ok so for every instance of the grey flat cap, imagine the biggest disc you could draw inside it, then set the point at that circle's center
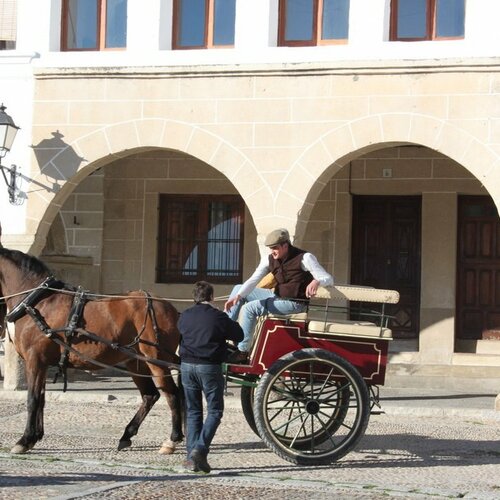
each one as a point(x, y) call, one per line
point(277, 237)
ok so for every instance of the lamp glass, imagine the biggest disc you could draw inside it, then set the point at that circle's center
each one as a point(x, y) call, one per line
point(8, 131)
point(7, 136)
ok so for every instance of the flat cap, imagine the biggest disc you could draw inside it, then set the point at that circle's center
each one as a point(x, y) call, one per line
point(277, 237)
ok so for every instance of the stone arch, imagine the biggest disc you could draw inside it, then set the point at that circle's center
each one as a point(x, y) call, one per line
point(119, 140)
point(332, 151)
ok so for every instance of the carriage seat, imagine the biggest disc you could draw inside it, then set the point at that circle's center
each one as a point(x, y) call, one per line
point(334, 326)
point(350, 328)
point(330, 321)
point(323, 320)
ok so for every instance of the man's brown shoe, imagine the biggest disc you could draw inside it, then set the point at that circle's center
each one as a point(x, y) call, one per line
point(188, 464)
point(200, 461)
point(238, 357)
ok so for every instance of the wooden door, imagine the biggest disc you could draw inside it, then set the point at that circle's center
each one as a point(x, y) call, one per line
point(386, 254)
point(478, 272)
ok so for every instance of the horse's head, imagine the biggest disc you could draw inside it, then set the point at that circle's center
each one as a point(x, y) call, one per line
point(19, 271)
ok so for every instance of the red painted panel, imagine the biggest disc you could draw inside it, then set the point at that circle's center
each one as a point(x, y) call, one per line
point(368, 355)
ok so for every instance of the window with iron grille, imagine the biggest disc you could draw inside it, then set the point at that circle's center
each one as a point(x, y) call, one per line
point(417, 20)
point(94, 24)
point(200, 238)
point(313, 22)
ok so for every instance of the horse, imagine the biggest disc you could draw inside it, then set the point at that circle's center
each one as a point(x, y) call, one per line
point(135, 330)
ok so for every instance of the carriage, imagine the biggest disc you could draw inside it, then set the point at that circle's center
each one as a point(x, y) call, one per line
point(307, 389)
point(312, 378)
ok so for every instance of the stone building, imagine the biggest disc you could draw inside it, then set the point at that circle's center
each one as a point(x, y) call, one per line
point(370, 129)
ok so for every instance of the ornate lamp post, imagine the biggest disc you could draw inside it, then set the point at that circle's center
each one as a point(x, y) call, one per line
point(8, 131)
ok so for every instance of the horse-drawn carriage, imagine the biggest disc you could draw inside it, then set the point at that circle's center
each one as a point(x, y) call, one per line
point(305, 390)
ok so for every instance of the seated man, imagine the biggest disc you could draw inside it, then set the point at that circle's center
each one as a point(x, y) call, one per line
point(298, 276)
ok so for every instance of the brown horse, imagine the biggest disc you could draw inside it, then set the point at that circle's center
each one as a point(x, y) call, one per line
point(134, 330)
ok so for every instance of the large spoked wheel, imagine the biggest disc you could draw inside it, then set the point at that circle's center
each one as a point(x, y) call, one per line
point(311, 407)
point(247, 397)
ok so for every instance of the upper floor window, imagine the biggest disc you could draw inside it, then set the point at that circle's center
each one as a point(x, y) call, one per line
point(414, 20)
point(94, 24)
point(8, 11)
point(200, 238)
point(202, 24)
point(313, 22)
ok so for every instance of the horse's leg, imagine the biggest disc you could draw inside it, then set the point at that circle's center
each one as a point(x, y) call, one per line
point(150, 396)
point(36, 402)
point(173, 394)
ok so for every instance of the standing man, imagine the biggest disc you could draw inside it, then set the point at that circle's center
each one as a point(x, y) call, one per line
point(298, 275)
point(204, 332)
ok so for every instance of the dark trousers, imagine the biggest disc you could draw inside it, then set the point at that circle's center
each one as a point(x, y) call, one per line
point(199, 380)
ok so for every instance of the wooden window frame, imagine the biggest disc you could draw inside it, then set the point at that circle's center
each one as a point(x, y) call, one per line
point(101, 30)
point(209, 29)
point(166, 276)
point(430, 24)
point(317, 29)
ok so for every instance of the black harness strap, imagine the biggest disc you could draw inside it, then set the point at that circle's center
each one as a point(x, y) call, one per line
point(152, 314)
point(74, 319)
point(126, 350)
point(43, 290)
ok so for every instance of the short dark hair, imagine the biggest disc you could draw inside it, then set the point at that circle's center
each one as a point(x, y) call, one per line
point(203, 291)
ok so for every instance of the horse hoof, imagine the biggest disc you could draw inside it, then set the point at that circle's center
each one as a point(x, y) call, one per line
point(124, 444)
point(166, 450)
point(19, 449)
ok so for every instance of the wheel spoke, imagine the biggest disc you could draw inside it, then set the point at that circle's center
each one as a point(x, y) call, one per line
point(325, 430)
point(279, 409)
point(288, 422)
point(301, 428)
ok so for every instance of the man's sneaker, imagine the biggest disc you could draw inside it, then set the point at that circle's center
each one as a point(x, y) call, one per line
point(238, 357)
point(200, 462)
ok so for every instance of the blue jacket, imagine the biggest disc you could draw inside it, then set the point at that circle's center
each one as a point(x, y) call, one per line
point(204, 332)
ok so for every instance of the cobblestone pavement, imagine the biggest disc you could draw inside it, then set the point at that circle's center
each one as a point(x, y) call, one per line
point(402, 456)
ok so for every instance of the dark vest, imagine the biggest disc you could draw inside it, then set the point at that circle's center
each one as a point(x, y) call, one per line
point(291, 278)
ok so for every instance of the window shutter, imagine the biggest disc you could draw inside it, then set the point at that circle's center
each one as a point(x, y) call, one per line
point(8, 16)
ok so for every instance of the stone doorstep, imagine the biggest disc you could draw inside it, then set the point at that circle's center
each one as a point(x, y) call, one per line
point(455, 377)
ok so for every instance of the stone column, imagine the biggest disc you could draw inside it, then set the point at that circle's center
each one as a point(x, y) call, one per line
point(438, 278)
point(13, 376)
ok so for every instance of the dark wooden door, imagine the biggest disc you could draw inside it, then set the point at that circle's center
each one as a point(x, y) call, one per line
point(478, 273)
point(386, 254)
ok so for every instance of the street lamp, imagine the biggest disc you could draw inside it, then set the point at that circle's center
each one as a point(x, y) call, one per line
point(8, 131)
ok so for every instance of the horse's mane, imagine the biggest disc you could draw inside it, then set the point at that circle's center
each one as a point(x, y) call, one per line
point(30, 266)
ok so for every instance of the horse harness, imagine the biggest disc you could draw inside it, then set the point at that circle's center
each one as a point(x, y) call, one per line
point(73, 328)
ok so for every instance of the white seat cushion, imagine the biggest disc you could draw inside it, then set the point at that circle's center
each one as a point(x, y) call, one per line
point(352, 328)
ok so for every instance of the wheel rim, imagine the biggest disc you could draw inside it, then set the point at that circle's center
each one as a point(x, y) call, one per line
point(313, 407)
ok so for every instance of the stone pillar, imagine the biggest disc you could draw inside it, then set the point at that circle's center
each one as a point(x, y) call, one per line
point(342, 239)
point(14, 378)
point(438, 278)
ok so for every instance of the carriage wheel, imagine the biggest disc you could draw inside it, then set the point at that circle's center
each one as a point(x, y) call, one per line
point(247, 397)
point(311, 407)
